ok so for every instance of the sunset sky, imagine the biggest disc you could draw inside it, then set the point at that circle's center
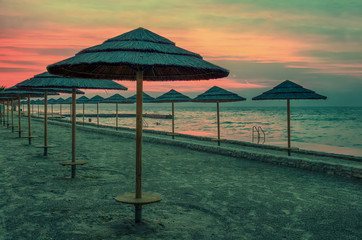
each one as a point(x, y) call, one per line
point(315, 43)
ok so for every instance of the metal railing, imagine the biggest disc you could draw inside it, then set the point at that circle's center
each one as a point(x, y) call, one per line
point(258, 134)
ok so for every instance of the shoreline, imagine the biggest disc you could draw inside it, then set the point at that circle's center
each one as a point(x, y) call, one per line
point(329, 163)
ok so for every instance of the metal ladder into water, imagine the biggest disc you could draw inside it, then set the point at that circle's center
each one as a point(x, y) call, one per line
point(260, 134)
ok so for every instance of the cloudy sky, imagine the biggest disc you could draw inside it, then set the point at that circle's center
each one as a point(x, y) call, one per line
point(315, 43)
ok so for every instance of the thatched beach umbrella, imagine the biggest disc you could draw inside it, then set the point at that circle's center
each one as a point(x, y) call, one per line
point(217, 94)
point(96, 100)
point(60, 101)
point(288, 90)
point(138, 55)
point(46, 80)
point(116, 98)
point(83, 100)
point(19, 94)
point(52, 101)
point(172, 96)
point(145, 98)
point(46, 91)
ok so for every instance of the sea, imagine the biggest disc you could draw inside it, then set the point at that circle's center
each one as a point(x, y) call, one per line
point(330, 129)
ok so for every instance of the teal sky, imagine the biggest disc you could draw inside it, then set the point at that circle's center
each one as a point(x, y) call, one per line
point(316, 44)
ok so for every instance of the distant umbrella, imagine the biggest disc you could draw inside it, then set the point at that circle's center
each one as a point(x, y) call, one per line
point(60, 101)
point(217, 94)
point(145, 98)
point(52, 101)
point(96, 100)
point(46, 80)
point(138, 55)
point(19, 94)
point(172, 96)
point(116, 98)
point(46, 91)
point(82, 100)
point(288, 90)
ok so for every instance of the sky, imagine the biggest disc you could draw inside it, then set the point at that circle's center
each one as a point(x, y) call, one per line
point(315, 43)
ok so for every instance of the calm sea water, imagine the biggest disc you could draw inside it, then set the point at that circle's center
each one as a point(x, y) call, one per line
point(333, 126)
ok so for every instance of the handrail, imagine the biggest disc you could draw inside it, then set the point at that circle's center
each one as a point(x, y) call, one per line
point(145, 123)
point(260, 132)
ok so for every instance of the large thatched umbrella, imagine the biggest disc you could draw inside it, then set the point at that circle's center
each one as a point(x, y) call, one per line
point(116, 98)
point(172, 96)
point(217, 94)
point(46, 80)
point(138, 55)
point(288, 90)
point(83, 100)
point(96, 100)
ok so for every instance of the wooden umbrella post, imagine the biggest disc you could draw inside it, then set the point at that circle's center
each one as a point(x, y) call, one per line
point(173, 121)
point(116, 116)
point(38, 110)
point(12, 116)
point(19, 116)
point(83, 114)
point(29, 121)
point(7, 113)
point(60, 110)
point(218, 123)
point(45, 124)
point(97, 114)
point(52, 110)
point(73, 131)
point(288, 123)
point(139, 126)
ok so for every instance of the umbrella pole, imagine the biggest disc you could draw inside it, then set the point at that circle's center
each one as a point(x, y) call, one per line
point(38, 110)
point(97, 115)
point(83, 114)
point(7, 114)
point(29, 121)
point(32, 108)
point(173, 121)
point(116, 116)
point(52, 110)
point(73, 131)
point(45, 124)
point(138, 208)
point(19, 116)
point(60, 110)
point(12, 116)
point(288, 123)
point(218, 124)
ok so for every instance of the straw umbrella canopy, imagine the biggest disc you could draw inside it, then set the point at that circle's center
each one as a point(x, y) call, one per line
point(289, 90)
point(116, 98)
point(82, 100)
point(217, 94)
point(138, 55)
point(46, 80)
point(172, 96)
